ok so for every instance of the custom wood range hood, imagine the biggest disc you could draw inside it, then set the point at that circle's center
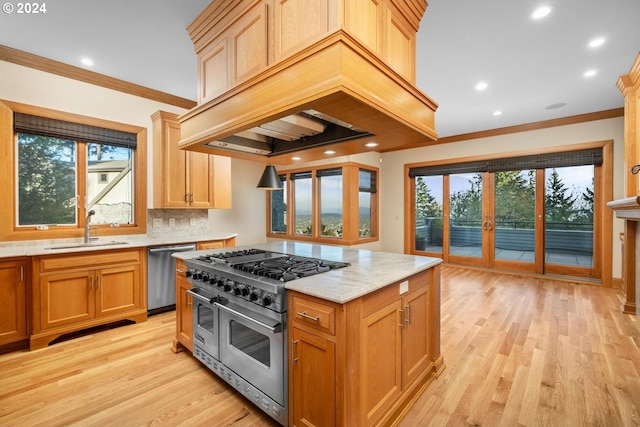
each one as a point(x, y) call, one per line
point(304, 76)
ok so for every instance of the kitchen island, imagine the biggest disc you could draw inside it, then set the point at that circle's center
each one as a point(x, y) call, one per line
point(363, 340)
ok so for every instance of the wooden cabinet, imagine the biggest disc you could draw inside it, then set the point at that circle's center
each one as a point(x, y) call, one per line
point(216, 244)
point(399, 333)
point(235, 43)
point(313, 378)
point(13, 295)
point(74, 292)
point(184, 311)
point(184, 303)
point(363, 362)
point(186, 179)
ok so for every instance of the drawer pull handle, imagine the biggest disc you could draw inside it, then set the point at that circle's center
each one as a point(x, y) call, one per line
point(306, 316)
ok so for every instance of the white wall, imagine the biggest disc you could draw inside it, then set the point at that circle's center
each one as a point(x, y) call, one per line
point(392, 169)
point(248, 214)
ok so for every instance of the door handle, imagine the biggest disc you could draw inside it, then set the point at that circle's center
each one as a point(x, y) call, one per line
point(294, 359)
point(487, 223)
point(401, 313)
point(407, 309)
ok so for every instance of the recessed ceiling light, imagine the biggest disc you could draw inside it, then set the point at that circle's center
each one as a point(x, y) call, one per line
point(497, 113)
point(87, 61)
point(296, 158)
point(542, 11)
point(590, 73)
point(597, 42)
point(481, 86)
point(329, 152)
point(371, 144)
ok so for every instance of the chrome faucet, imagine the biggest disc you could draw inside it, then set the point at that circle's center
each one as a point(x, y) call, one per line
point(87, 226)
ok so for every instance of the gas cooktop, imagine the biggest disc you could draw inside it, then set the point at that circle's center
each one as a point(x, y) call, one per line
point(272, 265)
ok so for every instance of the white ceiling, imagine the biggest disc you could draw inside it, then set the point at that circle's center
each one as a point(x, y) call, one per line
point(528, 65)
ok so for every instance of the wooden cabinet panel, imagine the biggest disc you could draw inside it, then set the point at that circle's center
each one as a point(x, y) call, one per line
point(381, 381)
point(200, 180)
point(184, 310)
point(362, 19)
point(118, 289)
point(213, 66)
point(313, 378)
point(298, 23)
point(186, 179)
point(415, 340)
point(174, 166)
point(314, 315)
point(70, 297)
point(13, 295)
point(249, 38)
point(399, 45)
point(66, 298)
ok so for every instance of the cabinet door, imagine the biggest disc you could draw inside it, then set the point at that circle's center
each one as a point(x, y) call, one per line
point(117, 289)
point(314, 384)
point(184, 308)
point(66, 298)
point(415, 340)
point(381, 382)
point(200, 182)
point(175, 165)
point(13, 316)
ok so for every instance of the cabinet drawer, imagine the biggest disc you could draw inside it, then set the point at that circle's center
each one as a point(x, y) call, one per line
point(94, 259)
point(313, 314)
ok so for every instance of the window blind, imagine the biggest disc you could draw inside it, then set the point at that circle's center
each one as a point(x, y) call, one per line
point(591, 156)
point(34, 125)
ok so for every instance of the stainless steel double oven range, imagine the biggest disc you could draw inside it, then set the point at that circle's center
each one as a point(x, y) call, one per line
point(240, 319)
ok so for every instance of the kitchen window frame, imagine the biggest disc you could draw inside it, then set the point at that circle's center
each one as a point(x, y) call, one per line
point(350, 206)
point(9, 230)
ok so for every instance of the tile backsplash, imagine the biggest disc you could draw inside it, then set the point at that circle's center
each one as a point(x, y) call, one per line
point(182, 222)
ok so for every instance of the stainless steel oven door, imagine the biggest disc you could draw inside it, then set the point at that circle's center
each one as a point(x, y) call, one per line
point(252, 345)
point(205, 321)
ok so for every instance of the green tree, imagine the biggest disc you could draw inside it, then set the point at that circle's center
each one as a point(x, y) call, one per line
point(466, 205)
point(584, 212)
point(426, 204)
point(515, 198)
point(46, 180)
point(559, 206)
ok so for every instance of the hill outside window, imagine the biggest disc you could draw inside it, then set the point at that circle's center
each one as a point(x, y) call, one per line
point(334, 205)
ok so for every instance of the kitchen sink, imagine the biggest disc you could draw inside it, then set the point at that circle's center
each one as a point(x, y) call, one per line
point(86, 245)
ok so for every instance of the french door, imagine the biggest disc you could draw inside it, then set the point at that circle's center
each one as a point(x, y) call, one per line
point(529, 220)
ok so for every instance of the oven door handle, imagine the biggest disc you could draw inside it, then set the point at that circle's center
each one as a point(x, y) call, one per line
point(274, 329)
point(194, 293)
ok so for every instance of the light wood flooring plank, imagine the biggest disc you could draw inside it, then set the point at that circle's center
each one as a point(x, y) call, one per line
point(519, 350)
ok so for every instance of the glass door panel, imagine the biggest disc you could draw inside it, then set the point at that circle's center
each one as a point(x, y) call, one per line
point(429, 208)
point(569, 210)
point(514, 216)
point(465, 215)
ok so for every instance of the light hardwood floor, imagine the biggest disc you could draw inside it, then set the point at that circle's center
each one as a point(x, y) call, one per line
point(519, 351)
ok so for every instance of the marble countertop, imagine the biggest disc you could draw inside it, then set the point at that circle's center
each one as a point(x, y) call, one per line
point(369, 270)
point(60, 246)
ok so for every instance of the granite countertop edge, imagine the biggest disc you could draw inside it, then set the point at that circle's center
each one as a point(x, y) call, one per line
point(368, 272)
point(56, 246)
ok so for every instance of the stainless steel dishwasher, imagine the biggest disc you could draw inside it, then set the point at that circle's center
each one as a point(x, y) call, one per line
point(161, 277)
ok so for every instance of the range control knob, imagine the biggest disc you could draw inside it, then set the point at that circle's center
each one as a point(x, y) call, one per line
point(212, 280)
point(205, 277)
point(228, 285)
point(267, 300)
point(254, 296)
point(197, 275)
point(188, 273)
point(237, 291)
point(220, 282)
point(245, 292)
